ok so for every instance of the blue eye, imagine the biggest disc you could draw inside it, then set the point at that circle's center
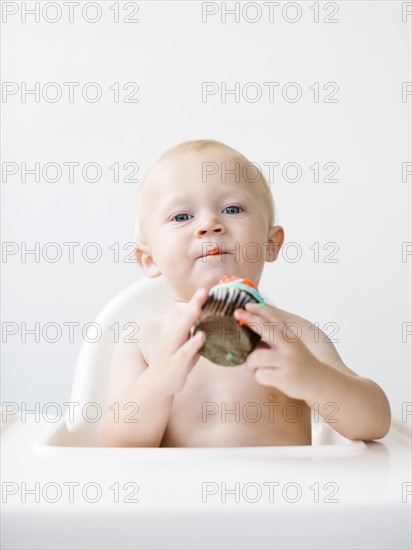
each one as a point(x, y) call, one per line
point(232, 208)
point(180, 216)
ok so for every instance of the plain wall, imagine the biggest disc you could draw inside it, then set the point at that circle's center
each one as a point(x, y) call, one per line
point(169, 53)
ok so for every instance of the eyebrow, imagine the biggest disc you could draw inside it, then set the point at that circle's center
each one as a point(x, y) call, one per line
point(170, 204)
point(184, 199)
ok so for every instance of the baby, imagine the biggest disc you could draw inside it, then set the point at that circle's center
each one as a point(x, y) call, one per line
point(200, 195)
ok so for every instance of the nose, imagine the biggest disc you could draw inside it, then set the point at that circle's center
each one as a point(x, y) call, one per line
point(210, 225)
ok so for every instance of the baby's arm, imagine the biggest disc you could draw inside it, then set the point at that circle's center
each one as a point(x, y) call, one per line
point(314, 373)
point(150, 388)
point(356, 407)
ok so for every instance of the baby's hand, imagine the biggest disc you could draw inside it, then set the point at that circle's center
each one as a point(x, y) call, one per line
point(280, 359)
point(178, 352)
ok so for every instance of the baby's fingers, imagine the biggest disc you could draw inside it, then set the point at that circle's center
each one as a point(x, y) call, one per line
point(187, 356)
point(261, 321)
point(267, 376)
point(180, 332)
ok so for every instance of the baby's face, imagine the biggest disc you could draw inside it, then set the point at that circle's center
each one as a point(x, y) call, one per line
point(201, 226)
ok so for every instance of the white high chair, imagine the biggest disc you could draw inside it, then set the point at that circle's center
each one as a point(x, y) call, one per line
point(180, 490)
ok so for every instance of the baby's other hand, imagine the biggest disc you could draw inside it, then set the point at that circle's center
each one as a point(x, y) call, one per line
point(178, 352)
point(281, 359)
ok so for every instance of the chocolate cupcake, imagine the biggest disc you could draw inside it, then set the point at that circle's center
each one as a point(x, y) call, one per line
point(228, 341)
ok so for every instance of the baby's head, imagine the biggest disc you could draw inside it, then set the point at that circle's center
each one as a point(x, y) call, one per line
point(204, 211)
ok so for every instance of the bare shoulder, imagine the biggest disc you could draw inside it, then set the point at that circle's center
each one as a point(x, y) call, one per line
point(317, 341)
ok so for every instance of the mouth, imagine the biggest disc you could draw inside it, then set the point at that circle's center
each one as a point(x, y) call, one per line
point(216, 251)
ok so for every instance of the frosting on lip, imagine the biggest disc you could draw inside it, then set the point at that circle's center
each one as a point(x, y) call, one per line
point(214, 252)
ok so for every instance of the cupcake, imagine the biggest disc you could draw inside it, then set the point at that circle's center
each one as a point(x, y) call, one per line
point(228, 341)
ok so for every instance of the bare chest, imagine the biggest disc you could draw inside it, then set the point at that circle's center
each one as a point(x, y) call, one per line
point(225, 406)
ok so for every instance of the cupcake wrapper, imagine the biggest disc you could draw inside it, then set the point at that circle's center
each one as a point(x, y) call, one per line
point(225, 301)
point(227, 343)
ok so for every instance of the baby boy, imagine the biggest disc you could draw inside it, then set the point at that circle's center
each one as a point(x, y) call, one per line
point(202, 196)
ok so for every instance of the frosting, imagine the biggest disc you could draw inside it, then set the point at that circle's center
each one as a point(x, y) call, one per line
point(240, 284)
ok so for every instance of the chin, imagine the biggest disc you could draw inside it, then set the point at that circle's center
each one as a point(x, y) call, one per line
point(211, 275)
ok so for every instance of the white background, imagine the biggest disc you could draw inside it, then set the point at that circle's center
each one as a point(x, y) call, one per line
point(169, 53)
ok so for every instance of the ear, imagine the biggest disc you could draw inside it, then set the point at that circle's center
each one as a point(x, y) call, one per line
point(146, 261)
point(275, 239)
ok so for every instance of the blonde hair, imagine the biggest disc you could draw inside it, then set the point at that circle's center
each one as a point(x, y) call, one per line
point(195, 146)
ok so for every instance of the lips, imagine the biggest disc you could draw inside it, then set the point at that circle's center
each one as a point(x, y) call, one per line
point(215, 251)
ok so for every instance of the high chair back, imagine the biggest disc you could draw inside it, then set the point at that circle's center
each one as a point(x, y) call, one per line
point(144, 299)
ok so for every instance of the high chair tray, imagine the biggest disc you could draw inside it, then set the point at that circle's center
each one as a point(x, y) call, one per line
point(332, 494)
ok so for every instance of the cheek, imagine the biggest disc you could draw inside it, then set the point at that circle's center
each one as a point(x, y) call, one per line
point(255, 231)
point(168, 252)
